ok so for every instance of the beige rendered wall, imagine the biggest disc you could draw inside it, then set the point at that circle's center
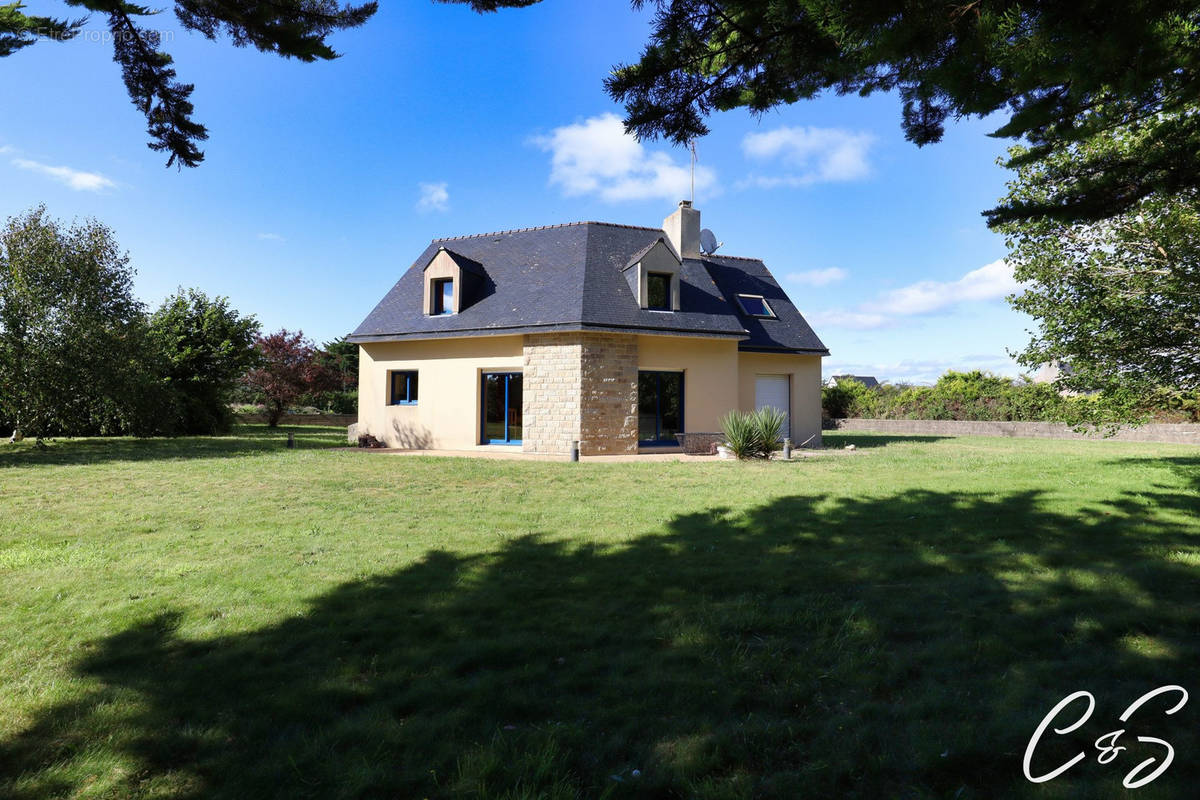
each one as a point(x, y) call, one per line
point(710, 380)
point(717, 378)
point(805, 375)
point(446, 415)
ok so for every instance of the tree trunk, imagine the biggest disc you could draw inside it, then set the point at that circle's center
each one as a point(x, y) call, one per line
point(273, 415)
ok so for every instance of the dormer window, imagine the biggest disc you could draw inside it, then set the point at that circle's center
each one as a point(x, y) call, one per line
point(658, 291)
point(653, 276)
point(756, 306)
point(443, 295)
point(452, 283)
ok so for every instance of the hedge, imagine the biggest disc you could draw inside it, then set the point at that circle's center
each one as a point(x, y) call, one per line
point(982, 396)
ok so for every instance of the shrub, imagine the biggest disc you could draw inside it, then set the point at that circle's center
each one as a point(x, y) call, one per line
point(849, 399)
point(331, 402)
point(978, 395)
point(768, 424)
point(754, 434)
point(739, 434)
point(342, 402)
point(837, 402)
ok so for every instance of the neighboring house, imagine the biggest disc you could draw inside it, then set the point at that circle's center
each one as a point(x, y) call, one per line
point(866, 380)
point(1051, 371)
point(615, 336)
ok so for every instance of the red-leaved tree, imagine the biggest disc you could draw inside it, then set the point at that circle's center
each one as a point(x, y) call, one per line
point(287, 369)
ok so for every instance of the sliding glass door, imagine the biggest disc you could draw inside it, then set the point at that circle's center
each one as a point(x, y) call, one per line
point(660, 407)
point(501, 407)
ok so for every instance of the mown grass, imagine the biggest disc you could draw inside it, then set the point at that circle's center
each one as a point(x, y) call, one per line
point(226, 618)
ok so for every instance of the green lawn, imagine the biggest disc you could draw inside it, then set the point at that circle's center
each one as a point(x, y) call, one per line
point(225, 618)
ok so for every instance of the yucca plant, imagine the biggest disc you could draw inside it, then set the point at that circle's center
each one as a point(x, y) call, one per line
point(768, 423)
point(740, 434)
point(754, 434)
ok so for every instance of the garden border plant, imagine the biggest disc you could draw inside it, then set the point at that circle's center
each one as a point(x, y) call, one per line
point(753, 434)
point(982, 396)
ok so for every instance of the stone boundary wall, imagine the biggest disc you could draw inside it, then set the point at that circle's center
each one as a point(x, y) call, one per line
point(336, 420)
point(1178, 433)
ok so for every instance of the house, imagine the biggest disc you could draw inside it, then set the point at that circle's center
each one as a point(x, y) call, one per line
point(1051, 371)
point(614, 336)
point(866, 380)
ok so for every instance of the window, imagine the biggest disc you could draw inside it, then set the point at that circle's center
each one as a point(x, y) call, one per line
point(502, 395)
point(658, 291)
point(660, 407)
point(404, 388)
point(443, 295)
point(755, 305)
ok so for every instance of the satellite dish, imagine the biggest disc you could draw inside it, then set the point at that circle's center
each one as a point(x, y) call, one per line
point(708, 242)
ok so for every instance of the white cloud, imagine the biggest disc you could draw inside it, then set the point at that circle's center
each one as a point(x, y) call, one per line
point(434, 197)
point(4, 149)
point(840, 318)
point(271, 237)
point(598, 157)
point(990, 282)
point(923, 371)
point(817, 277)
point(76, 179)
point(809, 155)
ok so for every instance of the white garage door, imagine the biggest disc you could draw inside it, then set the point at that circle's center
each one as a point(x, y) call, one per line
point(774, 391)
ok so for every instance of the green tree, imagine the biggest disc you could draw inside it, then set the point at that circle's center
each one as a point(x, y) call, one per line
point(1119, 299)
point(338, 361)
point(289, 28)
point(201, 347)
point(340, 358)
point(72, 335)
point(1061, 73)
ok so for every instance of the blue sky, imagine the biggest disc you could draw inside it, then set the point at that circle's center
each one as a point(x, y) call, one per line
point(323, 182)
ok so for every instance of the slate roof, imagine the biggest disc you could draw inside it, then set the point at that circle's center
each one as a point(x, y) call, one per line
point(569, 277)
point(868, 381)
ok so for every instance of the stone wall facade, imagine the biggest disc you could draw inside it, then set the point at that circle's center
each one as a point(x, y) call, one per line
point(610, 394)
point(550, 407)
point(580, 387)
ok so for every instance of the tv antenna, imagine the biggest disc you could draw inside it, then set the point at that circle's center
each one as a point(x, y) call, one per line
point(692, 147)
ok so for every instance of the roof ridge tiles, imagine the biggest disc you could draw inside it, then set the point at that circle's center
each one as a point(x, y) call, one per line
point(542, 228)
point(738, 258)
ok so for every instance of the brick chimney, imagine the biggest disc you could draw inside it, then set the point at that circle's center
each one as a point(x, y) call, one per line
point(683, 230)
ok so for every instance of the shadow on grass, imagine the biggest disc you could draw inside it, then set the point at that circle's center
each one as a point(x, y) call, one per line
point(897, 647)
point(243, 440)
point(1186, 467)
point(839, 439)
